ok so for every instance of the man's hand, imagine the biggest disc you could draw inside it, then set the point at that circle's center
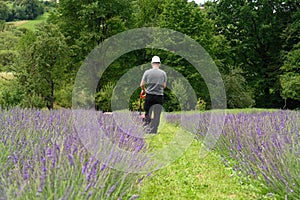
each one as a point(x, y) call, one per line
point(142, 94)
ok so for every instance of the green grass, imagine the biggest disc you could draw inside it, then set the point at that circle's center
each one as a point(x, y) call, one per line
point(231, 111)
point(192, 176)
point(31, 24)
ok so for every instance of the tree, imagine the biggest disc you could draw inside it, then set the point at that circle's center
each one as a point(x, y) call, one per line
point(253, 29)
point(25, 10)
point(11, 94)
point(18, 13)
point(147, 13)
point(4, 11)
point(32, 8)
point(8, 52)
point(43, 63)
point(290, 78)
point(237, 92)
point(95, 20)
point(103, 97)
point(187, 18)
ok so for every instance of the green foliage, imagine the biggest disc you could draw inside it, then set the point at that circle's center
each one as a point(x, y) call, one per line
point(4, 11)
point(254, 29)
point(201, 105)
point(8, 51)
point(10, 93)
point(50, 5)
point(260, 37)
point(135, 105)
point(290, 77)
point(2, 25)
point(147, 13)
point(103, 97)
point(86, 24)
point(42, 63)
point(63, 96)
point(95, 21)
point(290, 80)
point(134, 102)
point(237, 93)
point(290, 83)
point(6, 58)
point(188, 18)
point(25, 10)
point(171, 102)
point(180, 89)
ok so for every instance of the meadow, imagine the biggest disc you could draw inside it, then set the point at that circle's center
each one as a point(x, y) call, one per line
point(43, 156)
point(30, 24)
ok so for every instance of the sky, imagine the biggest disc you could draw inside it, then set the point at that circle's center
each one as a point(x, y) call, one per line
point(198, 1)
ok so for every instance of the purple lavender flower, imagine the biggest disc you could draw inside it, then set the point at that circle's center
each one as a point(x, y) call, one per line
point(112, 189)
point(84, 168)
point(45, 142)
point(88, 187)
point(103, 167)
point(49, 152)
point(25, 174)
point(71, 159)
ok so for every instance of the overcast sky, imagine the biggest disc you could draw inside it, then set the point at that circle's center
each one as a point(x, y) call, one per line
point(198, 1)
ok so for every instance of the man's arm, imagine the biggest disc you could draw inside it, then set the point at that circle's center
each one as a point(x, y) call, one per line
point(165, 81)
point(143, 82)
point(143, 85)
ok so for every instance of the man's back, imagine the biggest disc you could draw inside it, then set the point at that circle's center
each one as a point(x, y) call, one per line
point(155, 79)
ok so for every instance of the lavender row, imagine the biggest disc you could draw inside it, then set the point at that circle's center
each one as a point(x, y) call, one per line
point(42, 156)
point(262, 145)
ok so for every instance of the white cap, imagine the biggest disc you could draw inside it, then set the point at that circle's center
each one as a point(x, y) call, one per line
point(155, 59)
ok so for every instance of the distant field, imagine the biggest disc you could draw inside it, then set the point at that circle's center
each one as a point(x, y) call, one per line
point(30, 24)
point(19, 23)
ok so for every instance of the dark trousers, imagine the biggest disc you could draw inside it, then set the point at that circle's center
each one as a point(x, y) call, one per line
point(153, 104)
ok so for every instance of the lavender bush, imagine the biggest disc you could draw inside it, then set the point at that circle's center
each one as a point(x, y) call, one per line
point(262, 145)
point(43, 157)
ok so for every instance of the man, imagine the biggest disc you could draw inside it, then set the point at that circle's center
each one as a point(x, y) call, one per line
point(156, 81)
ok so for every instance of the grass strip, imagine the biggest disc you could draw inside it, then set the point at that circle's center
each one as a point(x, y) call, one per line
point(193, 177)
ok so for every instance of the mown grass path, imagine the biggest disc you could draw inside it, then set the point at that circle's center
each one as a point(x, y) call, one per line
point(194, 177)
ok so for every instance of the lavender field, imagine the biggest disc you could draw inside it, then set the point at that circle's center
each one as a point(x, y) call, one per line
point(42, 158)
point(262, 147)
point(42, 155)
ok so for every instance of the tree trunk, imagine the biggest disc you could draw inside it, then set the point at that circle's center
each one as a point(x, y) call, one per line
point(50, 104)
